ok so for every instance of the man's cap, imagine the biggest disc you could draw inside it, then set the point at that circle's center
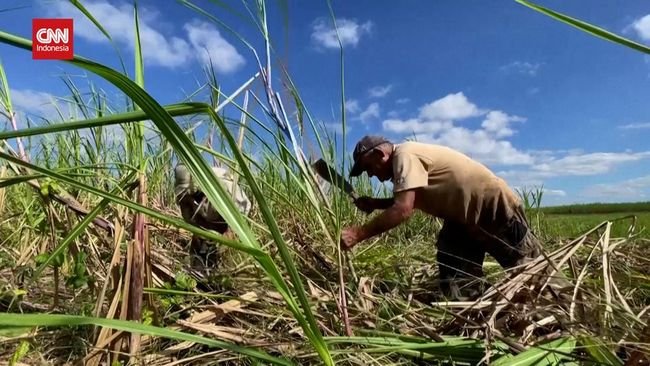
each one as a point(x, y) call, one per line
point(364, 145)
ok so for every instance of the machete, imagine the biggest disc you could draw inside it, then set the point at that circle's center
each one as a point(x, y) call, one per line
point(333, 177)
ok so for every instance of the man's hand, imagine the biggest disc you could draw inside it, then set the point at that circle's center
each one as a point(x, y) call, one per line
point(365, 204)
point(400, 209)
point(350, 236)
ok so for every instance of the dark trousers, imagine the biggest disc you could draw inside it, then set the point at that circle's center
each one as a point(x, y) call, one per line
point(203, 253)
point(462, 249)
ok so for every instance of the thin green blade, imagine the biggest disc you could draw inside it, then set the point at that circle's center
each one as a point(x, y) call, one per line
point(52, 320)
point(586, 27)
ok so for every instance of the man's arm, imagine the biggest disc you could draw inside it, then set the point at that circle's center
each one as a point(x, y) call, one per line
point(383, 203)
point(369, 204)
point(401, 209)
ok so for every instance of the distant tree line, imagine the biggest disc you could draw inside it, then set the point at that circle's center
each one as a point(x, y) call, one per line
point(598, 208)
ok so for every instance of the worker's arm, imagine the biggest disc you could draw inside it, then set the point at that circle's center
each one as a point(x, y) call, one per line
point(383, 203)
point(401, 209)
point(369, 204)
point(409, 176)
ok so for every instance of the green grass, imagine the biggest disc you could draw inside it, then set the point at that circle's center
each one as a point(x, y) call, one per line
point(573, 225)
point(594, 208)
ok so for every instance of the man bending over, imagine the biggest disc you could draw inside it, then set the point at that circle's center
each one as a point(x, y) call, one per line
point(481, 213)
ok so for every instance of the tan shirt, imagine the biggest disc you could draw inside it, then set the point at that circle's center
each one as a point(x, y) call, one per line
point(185, 187)
point(452, 186)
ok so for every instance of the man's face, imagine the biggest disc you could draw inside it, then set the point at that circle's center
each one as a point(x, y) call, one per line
point(376, 163)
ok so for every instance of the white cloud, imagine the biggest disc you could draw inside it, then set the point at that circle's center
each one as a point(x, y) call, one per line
point(554, 192)
point(118, 20)
point(521, 178)
point(546, 155)
point(402, 101)
point(369, 113)
point(574, 164)
point(38, 104)
point(635, 126)
point(393, 114)
point(451, 107)
point(498, 123)
point(545, 191)
point(209, 44)
point(337, 128)
point(415, 125)
point(380, 91)
point(437, 123)
point(159, 49)
point(642, 27)
point(586, 164)
point(352, 106)
point(522, 67)
point(635, 188)
point(34, 102)
point(349, 32)
point(480, 145)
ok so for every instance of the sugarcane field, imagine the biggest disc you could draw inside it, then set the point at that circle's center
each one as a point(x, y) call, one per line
point(238, 182)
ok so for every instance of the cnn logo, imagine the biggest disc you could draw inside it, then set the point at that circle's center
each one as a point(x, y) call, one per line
point(49, 35)
point(52, 39)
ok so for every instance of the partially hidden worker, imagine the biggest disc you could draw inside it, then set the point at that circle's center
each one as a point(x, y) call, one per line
point(197, 210)
point(480, 213)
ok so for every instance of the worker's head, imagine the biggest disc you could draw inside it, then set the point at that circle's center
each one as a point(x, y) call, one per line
point(373, 155)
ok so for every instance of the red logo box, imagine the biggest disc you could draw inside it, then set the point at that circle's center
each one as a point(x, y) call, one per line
point(52, 39)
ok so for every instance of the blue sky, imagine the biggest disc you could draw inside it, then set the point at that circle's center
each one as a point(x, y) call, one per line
point(537, 101)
